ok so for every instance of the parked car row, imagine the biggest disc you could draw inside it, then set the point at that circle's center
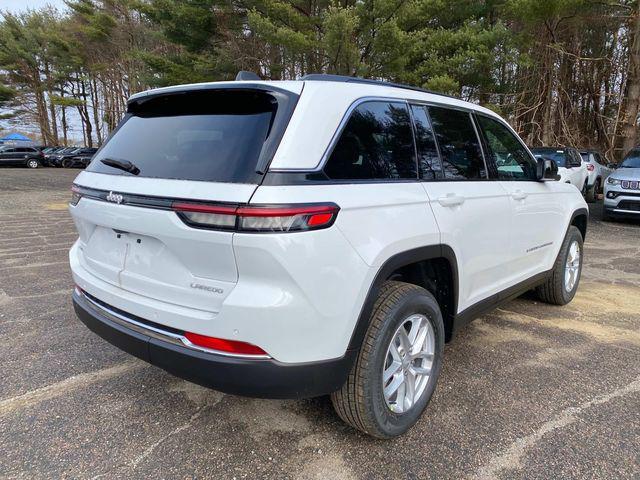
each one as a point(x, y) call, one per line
point(34, 157)
point(587, 170)
point(68, 157)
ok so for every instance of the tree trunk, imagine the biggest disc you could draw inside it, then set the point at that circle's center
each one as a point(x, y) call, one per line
point(631, 105)
point(94, 104)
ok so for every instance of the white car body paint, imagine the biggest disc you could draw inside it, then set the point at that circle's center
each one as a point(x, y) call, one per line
point(298, 295)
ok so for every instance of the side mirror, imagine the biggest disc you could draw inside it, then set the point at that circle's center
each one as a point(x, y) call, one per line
point(547, 170)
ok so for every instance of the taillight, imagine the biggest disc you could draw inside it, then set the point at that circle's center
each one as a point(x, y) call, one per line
point(75, 195)
point(590, 167)
point(258, 218)
point(223, 345)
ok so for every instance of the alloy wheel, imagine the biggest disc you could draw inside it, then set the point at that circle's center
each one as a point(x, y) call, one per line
point(408, 363)
point(572, 267)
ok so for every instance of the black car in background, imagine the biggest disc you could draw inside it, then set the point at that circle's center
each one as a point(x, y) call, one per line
point(80, 158)
point(29, 157)
point(50, 158)
point(77, 157)
point(55, 160)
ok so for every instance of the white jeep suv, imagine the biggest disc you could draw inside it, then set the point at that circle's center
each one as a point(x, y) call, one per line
point(323, 236)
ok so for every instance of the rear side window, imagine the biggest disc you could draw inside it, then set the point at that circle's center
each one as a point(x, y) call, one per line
point(459, 145)
point(376, 143)
point(204, 135)
point(511, 159)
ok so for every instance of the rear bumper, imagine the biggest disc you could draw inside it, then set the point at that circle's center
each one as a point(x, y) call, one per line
point(263, 378)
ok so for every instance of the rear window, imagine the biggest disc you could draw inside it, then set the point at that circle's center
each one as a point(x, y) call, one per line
point(214, 135)
point(559, 156)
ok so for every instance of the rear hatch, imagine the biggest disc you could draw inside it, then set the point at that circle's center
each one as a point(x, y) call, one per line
point(195, 145)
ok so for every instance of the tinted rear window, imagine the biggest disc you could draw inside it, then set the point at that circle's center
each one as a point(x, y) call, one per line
point(559, 156)
point(205, 135)
point(376, 143)
point(459, 145)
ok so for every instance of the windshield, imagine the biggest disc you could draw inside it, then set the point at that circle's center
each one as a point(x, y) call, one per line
point(585, 157)
point(632, 160)
point(205, 135)
point(559, 156)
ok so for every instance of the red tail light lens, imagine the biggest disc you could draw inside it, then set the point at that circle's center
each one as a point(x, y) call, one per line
point(590, 167)
point(268, 218)
point(75, 195)
point(222, 345)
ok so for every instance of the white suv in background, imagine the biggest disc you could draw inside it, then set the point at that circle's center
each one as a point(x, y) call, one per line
point(571, 168)
point(323, 236)
point(622, 189)
point(598, 170)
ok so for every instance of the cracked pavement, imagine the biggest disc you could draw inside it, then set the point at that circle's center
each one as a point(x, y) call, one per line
point(527, 391)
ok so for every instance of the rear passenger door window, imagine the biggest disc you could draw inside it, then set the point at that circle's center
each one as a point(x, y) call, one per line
point(506, 152)
point(459, 145)
point(376, 143)
point(429, 165)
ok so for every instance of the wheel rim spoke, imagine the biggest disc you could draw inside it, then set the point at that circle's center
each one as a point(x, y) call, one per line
point(394, 386)
point(394, 368)
point(405, 344)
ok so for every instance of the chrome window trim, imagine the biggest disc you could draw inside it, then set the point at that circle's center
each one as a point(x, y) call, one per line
point(158, 334)
point(487, 173)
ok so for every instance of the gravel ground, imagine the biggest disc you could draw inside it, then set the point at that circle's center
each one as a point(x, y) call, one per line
point(528, 391)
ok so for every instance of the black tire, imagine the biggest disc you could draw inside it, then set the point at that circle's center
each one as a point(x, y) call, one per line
point(67, 163)
point(585, 188)
point(360, 402)
point(592, 193)
point(32, 163)
point(554, 291)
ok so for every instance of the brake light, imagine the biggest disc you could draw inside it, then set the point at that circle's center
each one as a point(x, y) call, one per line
point(258, 218)
point(75, 195)
point(223, 345)
point(590, 167)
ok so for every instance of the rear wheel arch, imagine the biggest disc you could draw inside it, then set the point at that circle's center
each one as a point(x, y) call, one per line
point(432, 267)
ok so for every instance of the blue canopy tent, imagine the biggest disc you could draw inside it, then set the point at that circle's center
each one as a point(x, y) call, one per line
point(15, 139)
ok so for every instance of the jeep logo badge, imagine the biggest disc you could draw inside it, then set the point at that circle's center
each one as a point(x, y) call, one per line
point(115, 198)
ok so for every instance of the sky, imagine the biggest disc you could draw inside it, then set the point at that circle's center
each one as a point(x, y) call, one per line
point(15, 6)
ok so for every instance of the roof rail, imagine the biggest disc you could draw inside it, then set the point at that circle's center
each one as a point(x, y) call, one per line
point(325, 77)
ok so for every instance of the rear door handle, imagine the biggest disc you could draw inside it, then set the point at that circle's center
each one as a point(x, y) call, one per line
point(451, 200)
point(519, 195)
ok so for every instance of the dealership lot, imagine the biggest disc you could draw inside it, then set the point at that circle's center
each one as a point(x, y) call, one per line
point(528, 391)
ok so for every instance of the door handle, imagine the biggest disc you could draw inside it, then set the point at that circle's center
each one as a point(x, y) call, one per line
point(451, 200)
point(519, 195)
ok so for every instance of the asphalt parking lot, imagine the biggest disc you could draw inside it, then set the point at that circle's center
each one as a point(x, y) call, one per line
point(529, 391)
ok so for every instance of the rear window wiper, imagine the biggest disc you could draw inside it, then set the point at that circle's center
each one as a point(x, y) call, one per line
point(125, 165)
